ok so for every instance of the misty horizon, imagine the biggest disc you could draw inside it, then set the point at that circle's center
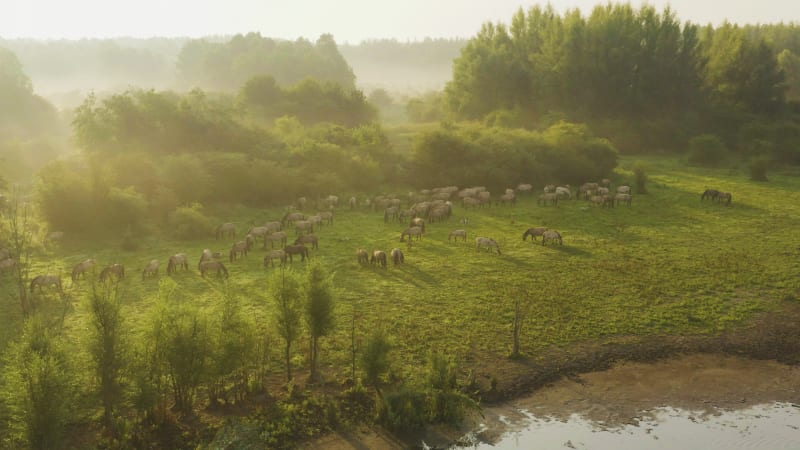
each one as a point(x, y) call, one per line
point(349, 22)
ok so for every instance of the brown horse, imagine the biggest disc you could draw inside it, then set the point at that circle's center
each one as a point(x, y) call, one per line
point(303, 226)
point(273, 255)
point(548, 197)
point(308, 239)
point(228, 229)
point(455, 234)
point(725, 197)
point(327, 217)
point(552, 235)
point(46, 280)
point(278, 236)
point(273, 226)
point(417, 222)
point(240, 248)
point(533, 232)
point(710, 194)
point(362, 256)
point(397, 256)
point(117, 270)
point(207, 255)
point(301, 250)
point(411, 232)
point(81, 268)
point(151, 270)
point(489, 243)
point(177, 260)
point(378, 257)
point(208, 266)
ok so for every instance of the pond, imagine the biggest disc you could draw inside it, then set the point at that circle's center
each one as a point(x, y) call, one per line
point(706, 402)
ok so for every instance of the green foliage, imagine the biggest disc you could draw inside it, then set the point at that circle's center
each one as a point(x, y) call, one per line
point(285, 292)
point(65, 197)
point(38, 388)
point(107, 343)
point(232, 356)
point(404, 409)
point(426, 108)
point(188, 222)
point(227, 65)
point(125, 207)
point(183, 348)
point(500, 157)
point(375, 357)
point(707, 150)
point(318, 309)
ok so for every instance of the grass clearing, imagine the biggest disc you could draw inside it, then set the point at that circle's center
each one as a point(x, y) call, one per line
point(669, 264)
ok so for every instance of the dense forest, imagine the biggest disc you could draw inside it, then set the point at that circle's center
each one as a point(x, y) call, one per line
point(159, 139)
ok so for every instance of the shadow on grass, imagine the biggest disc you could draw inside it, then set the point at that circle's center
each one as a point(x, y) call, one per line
point(569, 250)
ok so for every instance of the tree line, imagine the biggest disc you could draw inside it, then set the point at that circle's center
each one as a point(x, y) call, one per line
point(639, 77)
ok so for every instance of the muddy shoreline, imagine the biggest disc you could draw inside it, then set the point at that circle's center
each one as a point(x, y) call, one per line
point(773, 338)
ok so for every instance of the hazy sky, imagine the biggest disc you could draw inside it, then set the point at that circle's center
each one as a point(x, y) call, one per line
point(347, 20)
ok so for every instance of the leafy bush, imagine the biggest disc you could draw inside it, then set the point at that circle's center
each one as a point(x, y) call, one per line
point(706, 150)
point(65, 197)
point(125, 207)
point(188, 222)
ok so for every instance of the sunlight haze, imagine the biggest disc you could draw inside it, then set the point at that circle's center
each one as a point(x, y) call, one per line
point(348, 20)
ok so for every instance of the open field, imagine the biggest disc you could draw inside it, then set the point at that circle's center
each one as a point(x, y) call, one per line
point(669, 264)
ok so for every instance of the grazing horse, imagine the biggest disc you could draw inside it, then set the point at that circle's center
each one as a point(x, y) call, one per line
point(397, 256)
point(455, 234)
point(292, 217)
point(548, 197)
point(533, 232)
point(239, 248)
point(418, 222)
point(308, 239)
point(623, 189)
point(378, 257)
point(258, 232)
point(327, 217)
point(623, 198)
point(278, 236)
point(207, 255)
point(303, 226)
point(489, 243)
point(524, 188)
point(273, 255)
point(46, 280)
point(552, 235)
point(362, 255)
point(391, 213)
point(81, 268)
point(178, 260)
point(228, 229)
point(725, 197)
point(208, 266)
point(710, 194)
point(151, 269)
point(273, 226)
point(411, 232)
point(301, 250)
point(563, 191)
point(118, 270)
point(509, 198)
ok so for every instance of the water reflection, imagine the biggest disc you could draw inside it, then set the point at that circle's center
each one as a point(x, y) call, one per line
point(773, 426)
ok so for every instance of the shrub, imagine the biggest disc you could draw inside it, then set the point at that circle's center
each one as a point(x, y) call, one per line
point(188, 222)
point(758, 169)
point(125, 207)
point(706, 150)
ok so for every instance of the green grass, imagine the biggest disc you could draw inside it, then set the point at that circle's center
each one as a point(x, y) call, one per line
point(669, 264)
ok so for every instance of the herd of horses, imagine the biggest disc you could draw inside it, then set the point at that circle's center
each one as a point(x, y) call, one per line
point(424, 207)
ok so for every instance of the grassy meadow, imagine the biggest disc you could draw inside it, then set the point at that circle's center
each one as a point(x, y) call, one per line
point(668, 264)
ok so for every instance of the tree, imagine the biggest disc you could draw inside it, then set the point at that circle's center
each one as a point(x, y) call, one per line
point(319, 310)
point(19, 219)
point(285, 292)
point(107, 343)
point(39, 388)
point(375, 359)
